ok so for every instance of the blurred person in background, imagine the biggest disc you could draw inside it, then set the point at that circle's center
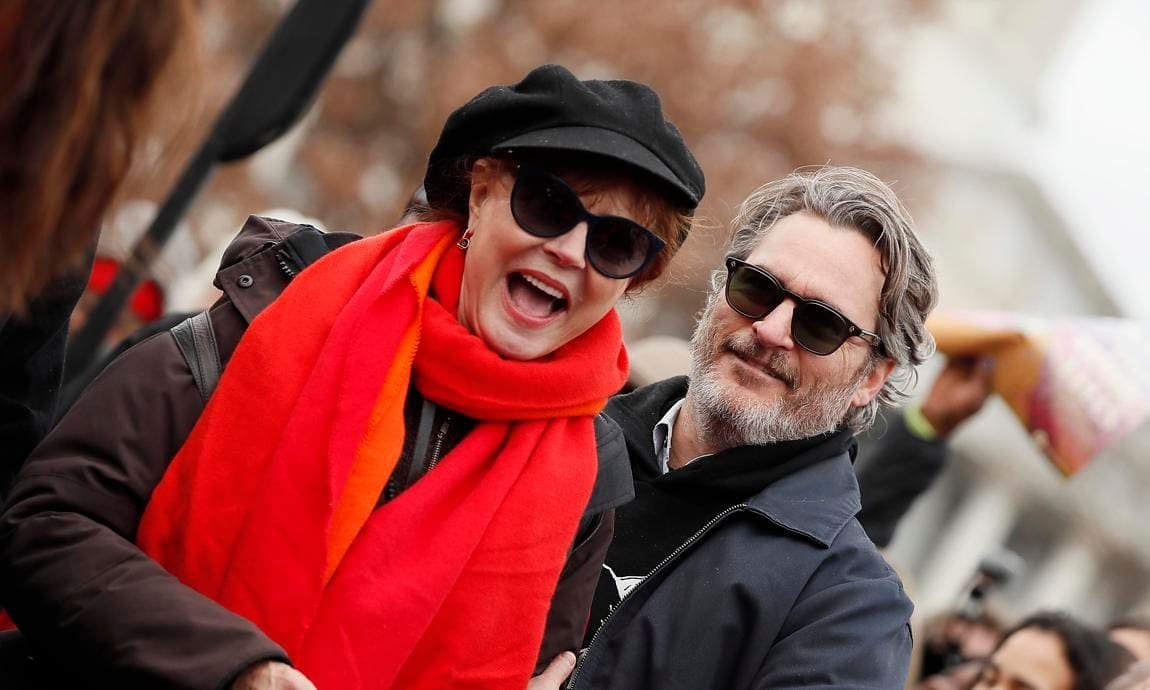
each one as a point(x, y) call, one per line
point(955, 646)
point(1053, 651)
point(740, 563)
point(1137, 677)
point(79, 81)
point(959, 677)
point(381, 490)
point(1133, 633)
point(955, 639)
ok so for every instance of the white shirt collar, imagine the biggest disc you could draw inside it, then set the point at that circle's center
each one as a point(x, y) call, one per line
point(662, 435)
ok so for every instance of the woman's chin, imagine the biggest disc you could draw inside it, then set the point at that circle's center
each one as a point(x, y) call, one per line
point(514, 334)
point(519, 349)
point(516, 342)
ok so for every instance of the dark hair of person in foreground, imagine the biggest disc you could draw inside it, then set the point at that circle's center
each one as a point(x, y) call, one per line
point(78, 80)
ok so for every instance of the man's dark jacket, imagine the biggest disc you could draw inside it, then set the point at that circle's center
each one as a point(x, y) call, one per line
point(782, 591)
point(90, 603)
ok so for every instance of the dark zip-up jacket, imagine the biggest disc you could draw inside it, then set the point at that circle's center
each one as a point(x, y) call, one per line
point(784, 590)
point(92, 606)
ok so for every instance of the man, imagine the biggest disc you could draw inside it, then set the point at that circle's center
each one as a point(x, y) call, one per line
point(740, 563)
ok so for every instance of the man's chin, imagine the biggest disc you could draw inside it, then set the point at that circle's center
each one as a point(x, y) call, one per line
point(725, 415)
point(732, 416)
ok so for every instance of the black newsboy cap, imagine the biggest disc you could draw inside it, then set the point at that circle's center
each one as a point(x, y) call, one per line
point(552, 110)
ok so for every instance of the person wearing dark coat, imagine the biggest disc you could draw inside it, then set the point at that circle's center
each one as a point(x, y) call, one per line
point(80, 81)
point(359, 482)
point(741, 562)
point(163, 407)
point(32, 348)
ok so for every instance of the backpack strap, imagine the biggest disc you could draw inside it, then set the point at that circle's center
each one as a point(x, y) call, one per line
point(197, 343)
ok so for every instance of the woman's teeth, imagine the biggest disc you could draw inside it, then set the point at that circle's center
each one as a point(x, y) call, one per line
point(543, 287)
point(533, 296)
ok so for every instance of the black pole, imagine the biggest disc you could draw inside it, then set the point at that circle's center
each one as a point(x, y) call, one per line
point(85, 345)
point(276, 91)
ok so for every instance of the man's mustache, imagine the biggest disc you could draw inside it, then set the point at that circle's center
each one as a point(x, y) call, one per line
point(773, 363)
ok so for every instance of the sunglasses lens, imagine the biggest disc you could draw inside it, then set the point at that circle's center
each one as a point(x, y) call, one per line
point(617, 247)
point(754, 294)
point(544, 206)
point(751, 293)
point(819, 329)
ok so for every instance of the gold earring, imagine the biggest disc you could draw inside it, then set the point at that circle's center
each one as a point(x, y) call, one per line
point(465, 241)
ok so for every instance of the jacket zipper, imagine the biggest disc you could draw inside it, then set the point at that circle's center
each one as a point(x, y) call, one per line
point(396, 485)
point(288, 270)
point(439, 438)
point(662, 564)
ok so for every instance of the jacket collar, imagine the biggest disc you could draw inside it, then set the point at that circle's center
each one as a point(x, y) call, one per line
point(816, 501)
point(250, 273)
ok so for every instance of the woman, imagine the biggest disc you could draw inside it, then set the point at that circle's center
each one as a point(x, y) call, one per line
point(80, 82)
point(390, 475)
point(1052, 651)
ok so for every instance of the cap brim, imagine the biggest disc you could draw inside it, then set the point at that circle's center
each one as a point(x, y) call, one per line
point(600, 142)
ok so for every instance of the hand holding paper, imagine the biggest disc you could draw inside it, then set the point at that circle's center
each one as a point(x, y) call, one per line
point(1077, 384)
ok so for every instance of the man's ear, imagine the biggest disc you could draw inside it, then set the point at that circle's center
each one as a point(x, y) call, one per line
point(873, 382)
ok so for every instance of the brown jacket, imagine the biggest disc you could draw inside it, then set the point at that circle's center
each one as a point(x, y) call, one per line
point(92, 605)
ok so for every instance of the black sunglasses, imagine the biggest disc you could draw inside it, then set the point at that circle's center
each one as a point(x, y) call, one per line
point(817, 327)
point(546, 206)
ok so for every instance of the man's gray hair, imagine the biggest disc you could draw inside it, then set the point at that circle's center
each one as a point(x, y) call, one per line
point(852, 198)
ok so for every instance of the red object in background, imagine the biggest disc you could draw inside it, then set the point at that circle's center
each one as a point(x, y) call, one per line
point(148, 299)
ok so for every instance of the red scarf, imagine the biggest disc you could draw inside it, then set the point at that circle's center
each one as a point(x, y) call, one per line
point(269, 508)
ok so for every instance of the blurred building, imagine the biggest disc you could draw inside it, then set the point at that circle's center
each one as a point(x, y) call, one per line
point(982, 92)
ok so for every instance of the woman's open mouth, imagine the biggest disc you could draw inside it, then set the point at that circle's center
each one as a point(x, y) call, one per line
point(533, 297)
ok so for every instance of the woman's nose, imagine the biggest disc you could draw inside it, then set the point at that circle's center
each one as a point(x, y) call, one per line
point(774, 329)
point(569, 249)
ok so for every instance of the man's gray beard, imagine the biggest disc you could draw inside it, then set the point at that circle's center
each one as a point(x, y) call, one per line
point(731, 418)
